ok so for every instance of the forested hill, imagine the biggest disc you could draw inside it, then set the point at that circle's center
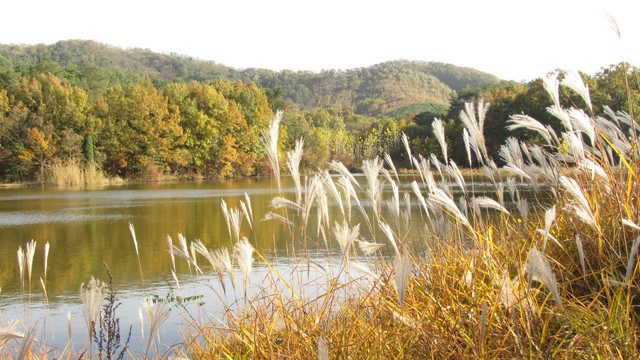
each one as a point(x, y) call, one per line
point(373, 90)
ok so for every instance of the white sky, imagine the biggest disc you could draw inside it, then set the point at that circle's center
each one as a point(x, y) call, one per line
point(512, 39)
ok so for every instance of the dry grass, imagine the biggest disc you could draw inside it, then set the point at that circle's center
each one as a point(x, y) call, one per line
point(483, 281)
point(73, 174)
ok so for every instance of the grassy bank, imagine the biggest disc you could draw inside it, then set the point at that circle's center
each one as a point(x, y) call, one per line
point(490, 276)
point(489, 273)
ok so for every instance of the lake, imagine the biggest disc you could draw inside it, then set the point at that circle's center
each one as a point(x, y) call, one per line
point(89, 228)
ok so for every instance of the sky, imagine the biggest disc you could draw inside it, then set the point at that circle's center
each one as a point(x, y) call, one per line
point(512, 39)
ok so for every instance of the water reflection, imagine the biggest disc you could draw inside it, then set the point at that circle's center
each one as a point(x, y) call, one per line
point(88, 229)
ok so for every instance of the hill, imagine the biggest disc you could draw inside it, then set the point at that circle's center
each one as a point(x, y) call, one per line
point(372, 91)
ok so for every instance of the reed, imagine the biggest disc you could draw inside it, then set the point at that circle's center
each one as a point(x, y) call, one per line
point(473, 283)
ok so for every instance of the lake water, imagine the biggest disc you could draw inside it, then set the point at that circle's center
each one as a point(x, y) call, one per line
point(88, 229)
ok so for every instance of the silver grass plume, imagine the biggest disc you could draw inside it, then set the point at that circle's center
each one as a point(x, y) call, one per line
point(523, 208)
point(573, 80)
point(371, 169)
point(235, 222)
point(438, 131)
point(369, 248)
point(185, 249)
point(313, 191)
point(92, 297)
point(349, 192)
point(394, 203)
point(500, 192)
point(132, 230)
point(140, 318)
point(342, 170)
point(454, 171)
point(392, 166)
point(631, 261)
point(467, 144)
point(552, 85)
point(539, 269)
point(219, 261)
point(428, 175)
point(293, 163)
point(475, 125)
point(169, 242)
point(549, 236)
point(367, 273)
point(508, 292)
point(462, 204)
point(248, 214)
point(280, 202)
point(386, 229)
point(511, 153)
point(29, 254)
point(175, 278)
point(69, 323)
point(323, 208)
point(483, 323)
point(8, 332)
point(26, 344)
point(185, 255)
point(44, 290)
point(406, 213)
point(418, 192)
point(442, 199)
point(549, 218)
point(402, 267)
point(157, 313)
point(248, 208)
point(242, 253)
point(345, 236)
point(21, 265)
point(581, 206)
point(630, 224)
point(582, 122)
point(323, 349)
point(436, 163)
point(512, 187)
point(46, 258)
point(405, 141)
point(561, 114)
point(270, 141)
point(419, 167)
point(527, 122)
point(484, 202)
point(225, 213)
point(594, 168)
point(194, 259)
point(277, 217)
point(330, 185)
point(581, 255)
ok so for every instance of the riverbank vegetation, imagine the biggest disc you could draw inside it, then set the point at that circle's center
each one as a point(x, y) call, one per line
point(89, 107)
point(492, 274)
point(488, 273)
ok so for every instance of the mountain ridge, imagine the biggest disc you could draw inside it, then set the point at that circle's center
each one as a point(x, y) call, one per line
point(372, 90)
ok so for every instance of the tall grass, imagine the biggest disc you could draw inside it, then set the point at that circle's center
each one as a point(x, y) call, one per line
point(74, 174)
point(482, 278)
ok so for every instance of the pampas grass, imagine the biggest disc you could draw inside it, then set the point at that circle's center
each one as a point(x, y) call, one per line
point(92, 297)
point(157, 314)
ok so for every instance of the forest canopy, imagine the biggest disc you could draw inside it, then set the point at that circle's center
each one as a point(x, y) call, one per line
point(139, 114)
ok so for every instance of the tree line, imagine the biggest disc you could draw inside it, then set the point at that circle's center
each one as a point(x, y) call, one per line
point(132, 125)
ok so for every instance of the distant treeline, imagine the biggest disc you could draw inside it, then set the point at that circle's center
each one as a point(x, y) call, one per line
point(137, 114)
point(369, 91)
